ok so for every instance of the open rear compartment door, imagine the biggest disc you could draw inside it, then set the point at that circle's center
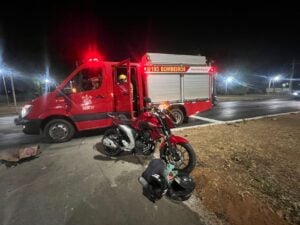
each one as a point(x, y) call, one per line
point(123, 90)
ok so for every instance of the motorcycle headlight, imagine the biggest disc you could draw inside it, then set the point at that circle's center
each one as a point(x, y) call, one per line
point(295, 93)
point(25, 110)
point(163, 106)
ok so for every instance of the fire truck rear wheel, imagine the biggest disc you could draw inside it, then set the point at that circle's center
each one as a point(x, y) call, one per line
point(58, 131)
point(179, 115)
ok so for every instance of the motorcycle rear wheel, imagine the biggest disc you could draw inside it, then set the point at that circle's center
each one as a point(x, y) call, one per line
point(113, 135)
point(184, 164)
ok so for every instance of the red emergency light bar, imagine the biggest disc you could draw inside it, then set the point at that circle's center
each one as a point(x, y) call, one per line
point(92, 55)
point(93, 59)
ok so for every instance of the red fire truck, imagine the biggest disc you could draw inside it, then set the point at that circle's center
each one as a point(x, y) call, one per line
point(83, 100)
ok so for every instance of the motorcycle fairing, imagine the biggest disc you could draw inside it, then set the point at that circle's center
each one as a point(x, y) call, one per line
point(130, 134)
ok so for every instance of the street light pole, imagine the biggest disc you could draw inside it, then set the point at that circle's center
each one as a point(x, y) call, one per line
point(5, 89)
point(13, 91)
point(228, 80)
point(270, 80)
point(292, 75)
point(273, 79)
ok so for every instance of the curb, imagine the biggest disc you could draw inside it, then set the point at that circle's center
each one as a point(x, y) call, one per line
point(250, 98)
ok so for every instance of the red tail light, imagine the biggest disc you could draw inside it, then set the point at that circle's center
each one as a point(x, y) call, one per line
point(212, 70)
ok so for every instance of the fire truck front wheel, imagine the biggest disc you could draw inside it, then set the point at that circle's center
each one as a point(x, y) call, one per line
point(178, 114)
point(58, 131)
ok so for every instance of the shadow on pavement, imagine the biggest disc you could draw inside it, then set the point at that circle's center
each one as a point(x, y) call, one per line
point(123, 156)
point(9, 164)
point(16, 141)
point(90, 133)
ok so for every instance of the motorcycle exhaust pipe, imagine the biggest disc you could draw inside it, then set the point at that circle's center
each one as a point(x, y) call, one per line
point(109, 143)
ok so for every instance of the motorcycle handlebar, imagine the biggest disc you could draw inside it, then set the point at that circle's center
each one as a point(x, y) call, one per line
point(118, 120)
point(152, 108)
point(110, 115)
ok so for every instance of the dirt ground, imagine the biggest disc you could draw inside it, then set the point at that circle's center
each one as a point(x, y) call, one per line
point(249, 172)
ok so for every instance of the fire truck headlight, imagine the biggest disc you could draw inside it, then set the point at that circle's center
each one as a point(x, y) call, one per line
point(26, 110)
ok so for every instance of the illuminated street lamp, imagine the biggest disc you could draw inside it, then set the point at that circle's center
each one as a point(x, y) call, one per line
point(47, 81)
point(228, 80)
point(274, 79)
point(277, 78)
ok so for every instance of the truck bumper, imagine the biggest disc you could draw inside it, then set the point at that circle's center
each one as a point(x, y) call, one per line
point(29, 126)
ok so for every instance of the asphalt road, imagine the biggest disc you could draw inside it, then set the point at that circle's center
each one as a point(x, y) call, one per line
point(71, 183)
point(227, 111)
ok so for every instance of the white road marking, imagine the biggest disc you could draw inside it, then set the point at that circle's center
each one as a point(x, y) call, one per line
point(206, 119)
point(260, 117)
point(234, 121)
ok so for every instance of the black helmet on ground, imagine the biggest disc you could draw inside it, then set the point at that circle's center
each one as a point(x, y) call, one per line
point(154, 183)
point(181, 187)
point(156, 187)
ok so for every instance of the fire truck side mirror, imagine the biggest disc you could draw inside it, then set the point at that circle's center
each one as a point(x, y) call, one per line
point(67, 91)
point(64, 92)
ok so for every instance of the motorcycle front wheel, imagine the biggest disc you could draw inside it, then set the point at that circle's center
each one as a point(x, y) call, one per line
point(184, 159)
point(111, 136)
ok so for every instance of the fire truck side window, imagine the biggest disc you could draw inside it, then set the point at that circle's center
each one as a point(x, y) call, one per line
point(85, 80)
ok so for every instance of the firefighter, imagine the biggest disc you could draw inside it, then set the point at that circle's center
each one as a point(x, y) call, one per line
point(123, 85)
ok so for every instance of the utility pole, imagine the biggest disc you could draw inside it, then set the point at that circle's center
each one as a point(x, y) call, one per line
point(292, 75)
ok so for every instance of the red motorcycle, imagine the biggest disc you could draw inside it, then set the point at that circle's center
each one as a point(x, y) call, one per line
point(142, 135)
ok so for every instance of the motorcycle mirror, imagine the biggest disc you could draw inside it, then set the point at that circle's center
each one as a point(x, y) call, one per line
point(147, 100)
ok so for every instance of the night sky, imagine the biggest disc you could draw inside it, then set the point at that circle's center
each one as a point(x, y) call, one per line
point(257, 45)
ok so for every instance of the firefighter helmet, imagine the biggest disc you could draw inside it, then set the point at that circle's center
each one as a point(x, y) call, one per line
point(122, 77)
